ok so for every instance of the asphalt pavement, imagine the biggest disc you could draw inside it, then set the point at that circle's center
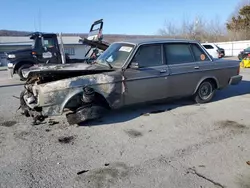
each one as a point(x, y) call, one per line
point(178, 144)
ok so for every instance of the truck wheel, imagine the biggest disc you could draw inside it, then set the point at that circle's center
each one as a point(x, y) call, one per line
point(86, 113)
point(19, 71)
point(205, 92)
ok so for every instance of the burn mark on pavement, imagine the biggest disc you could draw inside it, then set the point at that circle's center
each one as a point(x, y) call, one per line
point(66, 139)
point(106, 176)
point(8, 123)
point(22, 135)
point(231, 125)
point(133, 133)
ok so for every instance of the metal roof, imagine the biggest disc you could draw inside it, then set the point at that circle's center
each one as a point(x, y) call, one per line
point(155, 40)
point(9, 40)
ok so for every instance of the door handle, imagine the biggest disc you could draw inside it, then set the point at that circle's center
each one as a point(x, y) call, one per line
point(163, 71)
point(197, 67)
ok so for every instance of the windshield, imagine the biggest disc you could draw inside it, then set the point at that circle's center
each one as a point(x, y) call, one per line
point(115, 55)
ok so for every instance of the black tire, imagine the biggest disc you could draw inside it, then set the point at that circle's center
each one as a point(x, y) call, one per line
point(239, 57)
point(19, 71)
point(205, 92)
point(86, 113)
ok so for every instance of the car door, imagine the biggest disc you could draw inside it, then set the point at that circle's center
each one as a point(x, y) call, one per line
point(53, 51)
point(148, 81)
point(184, 69)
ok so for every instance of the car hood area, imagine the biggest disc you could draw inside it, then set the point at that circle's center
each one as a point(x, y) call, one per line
point(63, 71)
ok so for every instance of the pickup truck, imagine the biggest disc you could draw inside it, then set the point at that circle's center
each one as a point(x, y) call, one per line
point(127, 73)
point(47, 50)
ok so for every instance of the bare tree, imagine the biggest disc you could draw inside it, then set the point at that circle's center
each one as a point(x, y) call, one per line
point(197, 29)
point(169, 29)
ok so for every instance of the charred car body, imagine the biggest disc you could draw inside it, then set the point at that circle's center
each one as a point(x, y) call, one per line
point(127, 73)
point(47, 50)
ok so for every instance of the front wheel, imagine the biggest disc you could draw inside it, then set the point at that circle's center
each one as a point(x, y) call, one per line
point(205, 92)
point(86, 113)
point(19, 71)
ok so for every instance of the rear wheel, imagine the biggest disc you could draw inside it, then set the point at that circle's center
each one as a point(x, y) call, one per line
point(19, 71)
point(205, 92)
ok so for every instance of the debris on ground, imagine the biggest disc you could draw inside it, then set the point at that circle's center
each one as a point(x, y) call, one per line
point(82, 172)
point(47, 130)
point(66, 139)
point(248, 162)
point(106, 164)
point(52, 122)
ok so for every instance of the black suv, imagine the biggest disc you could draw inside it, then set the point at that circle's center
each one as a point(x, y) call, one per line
point(244, 53)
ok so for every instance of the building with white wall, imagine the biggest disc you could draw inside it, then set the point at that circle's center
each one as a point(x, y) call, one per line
point(233, 48)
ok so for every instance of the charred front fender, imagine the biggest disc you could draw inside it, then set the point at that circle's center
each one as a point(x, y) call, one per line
point(53, 97)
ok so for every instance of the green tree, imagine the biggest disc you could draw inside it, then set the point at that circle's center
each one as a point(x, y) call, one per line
point(240, 25)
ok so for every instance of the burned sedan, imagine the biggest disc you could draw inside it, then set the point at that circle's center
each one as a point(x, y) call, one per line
point(127, 73)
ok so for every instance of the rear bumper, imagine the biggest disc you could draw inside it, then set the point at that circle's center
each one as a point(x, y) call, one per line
point(234, 80)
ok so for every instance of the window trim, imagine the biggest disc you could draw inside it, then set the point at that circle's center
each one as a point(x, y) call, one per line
point(204, 50)
point(208, 45)
point(189, 47)
point(198, 46)
point(148, 44)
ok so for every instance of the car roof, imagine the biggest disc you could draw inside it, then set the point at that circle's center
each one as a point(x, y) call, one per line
point(208, 43)
point(154, 40)
point(36, 34)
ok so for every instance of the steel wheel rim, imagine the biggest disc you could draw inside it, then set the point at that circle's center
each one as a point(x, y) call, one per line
point(205, 90)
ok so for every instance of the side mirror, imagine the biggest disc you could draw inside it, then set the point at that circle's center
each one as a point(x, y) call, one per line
point(45, 49)
point(134, 65)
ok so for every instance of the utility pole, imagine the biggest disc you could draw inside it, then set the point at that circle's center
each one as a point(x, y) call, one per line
point(62, 49)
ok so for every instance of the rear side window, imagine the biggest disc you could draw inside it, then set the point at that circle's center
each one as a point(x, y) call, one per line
point(178, 53)
point(207, 46)
point(198, 53)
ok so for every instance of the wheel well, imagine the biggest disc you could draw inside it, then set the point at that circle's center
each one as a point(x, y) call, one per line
point(76, 99)
point(213, 81)
point(100, 99)
point(19, 64)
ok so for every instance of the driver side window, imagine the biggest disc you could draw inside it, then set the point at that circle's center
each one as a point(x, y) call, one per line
point(148, 56)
